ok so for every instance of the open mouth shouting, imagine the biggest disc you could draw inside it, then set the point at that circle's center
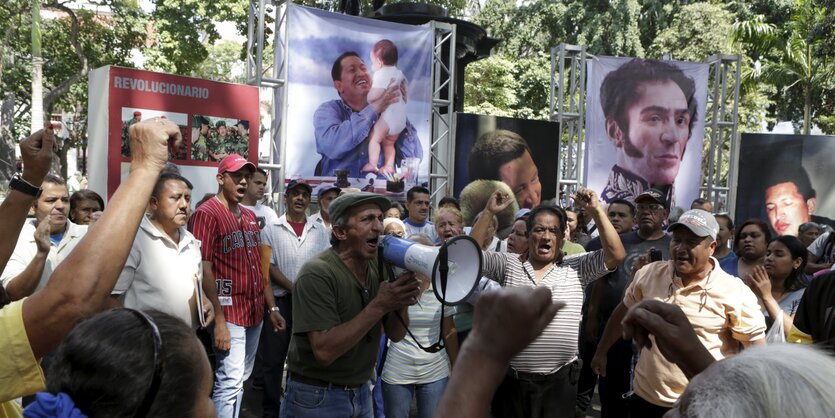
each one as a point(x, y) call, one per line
point(544, 248)
point(240, 191)
point(371, 243)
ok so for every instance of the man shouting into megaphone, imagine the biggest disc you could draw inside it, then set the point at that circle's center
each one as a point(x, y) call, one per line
point(542, 379)
point(340, 306)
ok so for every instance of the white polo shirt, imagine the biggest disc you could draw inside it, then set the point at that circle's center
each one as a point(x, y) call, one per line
point(289, 251)
point(160, 274)
point(26, 250)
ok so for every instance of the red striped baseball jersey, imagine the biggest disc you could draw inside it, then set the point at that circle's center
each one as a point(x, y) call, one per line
point(232, 246)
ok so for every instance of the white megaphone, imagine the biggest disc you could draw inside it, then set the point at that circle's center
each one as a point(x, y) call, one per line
point(453, 268)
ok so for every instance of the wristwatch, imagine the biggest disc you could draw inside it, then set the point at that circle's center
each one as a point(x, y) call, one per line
point(275, 309)
point(18, 183)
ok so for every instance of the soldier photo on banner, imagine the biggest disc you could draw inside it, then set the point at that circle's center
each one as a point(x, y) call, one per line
point(137, 117)
point(120, 97)
point(214, 138)
point(131, 116)
point(199, 138)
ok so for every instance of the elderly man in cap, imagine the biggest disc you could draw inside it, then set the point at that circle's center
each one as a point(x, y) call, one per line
point(325, 195)
point(233, 281)
point(293, 240)
point(721, 308)
point(341, 302)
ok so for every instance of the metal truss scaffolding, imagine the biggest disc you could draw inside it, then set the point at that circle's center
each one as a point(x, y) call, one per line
point(721, 142)
point(442, 149)
point(567, 106)
point(270, 73)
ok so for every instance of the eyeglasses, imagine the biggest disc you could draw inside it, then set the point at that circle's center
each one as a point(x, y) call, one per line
point(151, 394)
point(237, 176)
point(654, 207)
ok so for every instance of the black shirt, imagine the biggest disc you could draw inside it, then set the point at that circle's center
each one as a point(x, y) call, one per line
point(612, 286)
point(816, 314)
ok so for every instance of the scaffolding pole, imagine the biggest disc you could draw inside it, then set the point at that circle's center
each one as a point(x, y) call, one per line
point(722, 145)
point(567, 107)
point(269, 74)
point(442, 148)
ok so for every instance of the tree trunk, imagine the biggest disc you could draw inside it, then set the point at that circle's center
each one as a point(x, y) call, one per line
point(807, 109)
point(37, 69)
point(62, 156)
point(37, 95)
point(8, 160)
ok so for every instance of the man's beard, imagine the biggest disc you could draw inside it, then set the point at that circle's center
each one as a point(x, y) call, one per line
point(629, 148)
point(632, 151)
point(648, 230)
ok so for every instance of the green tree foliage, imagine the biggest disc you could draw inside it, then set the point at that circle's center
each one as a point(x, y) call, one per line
point(606, 27)
point(74, 42)
point(525, 30)
point(787, 51)
point(500, 86)
point(176, 37)
point(697, 31)
point(184, 29)
point(223, 63)
point(793, 60)
point(700, 30)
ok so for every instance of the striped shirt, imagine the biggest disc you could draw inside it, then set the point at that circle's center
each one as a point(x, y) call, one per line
point(231, 245)
point(290, 251)
point(406, 363)
point(558, 343)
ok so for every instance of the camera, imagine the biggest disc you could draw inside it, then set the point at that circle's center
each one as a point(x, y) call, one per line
point(654, 255)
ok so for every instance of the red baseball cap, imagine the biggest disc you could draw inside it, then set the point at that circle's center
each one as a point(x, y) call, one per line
point(234, 162)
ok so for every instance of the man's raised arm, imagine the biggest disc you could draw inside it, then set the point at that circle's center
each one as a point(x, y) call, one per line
point(81, 285)
point(36, 152)
point(613, 251)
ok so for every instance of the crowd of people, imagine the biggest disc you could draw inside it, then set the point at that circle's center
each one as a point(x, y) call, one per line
point(102, 308)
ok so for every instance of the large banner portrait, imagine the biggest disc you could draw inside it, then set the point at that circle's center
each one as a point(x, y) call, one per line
point(360, 100)
point(521, 153)
point(786, 180)
point(215, 120)
point(645, 124)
